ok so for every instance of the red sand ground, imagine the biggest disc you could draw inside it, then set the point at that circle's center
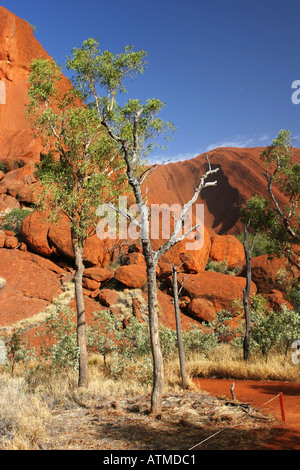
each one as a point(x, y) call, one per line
point(286, 434)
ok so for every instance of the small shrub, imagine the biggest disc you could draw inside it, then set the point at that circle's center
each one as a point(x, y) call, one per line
point(17, 351)
point(13, 220)
point(3, 167)
point(59, 340)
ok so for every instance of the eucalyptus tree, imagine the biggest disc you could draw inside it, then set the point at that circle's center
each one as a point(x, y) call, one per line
point(277, 221)
point(136, 129)
point(77, 172)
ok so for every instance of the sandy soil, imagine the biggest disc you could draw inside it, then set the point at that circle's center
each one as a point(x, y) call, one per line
point(285, 435)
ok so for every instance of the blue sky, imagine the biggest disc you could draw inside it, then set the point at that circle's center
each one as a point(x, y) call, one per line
point(224, 68)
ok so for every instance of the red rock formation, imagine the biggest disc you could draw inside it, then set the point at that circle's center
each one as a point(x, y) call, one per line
point(219, 289)
point(18, 47)
point(269, 273)
point(227, 248)
point(31, 284)
point(132, 275)
point(202, 310)
point(108, 297)
point(240, 176)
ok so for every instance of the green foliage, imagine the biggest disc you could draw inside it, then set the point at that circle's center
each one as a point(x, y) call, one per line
point(100, 78)
point(17, 350)
point(82, 168)
point(59, 341)
point(221, 267)
point(196, 340)
point(294, 298)
point(263, 244)
point(274, 331)
point(280, 224)
point(3, 167)
point(13, 220)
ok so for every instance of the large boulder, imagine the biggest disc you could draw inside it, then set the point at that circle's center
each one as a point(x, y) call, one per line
point(48, 238)
point(34, 231)
point(31, 284)
point(8, 203)
point(227, 248)
point(202, 310)
point(217, 288)
point(132, 275)
point(269, 273)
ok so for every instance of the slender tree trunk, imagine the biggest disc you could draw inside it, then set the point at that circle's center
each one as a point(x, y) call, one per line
point(81, 334)
point(246, 294)
point(158, 368)
point(178, 329)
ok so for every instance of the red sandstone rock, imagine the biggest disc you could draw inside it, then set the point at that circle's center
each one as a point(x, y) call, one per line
point(11, 242)
point(227, 248)
point(2, 239)
point(90, 284)
point(31, 284)
point(267, 273)
point(34, 232)
point(276, 300)
point(239, 177)
point(202, 310)
point(8, 203)
point(133, 258)
point(18, 46)
point(59, 237)
point(108, 297)
point(220, 289)
point(98, 274)
point(166, 315)
point(131, 275)
point(23, 246)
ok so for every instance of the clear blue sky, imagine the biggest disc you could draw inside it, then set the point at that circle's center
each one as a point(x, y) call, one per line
point(224, 68)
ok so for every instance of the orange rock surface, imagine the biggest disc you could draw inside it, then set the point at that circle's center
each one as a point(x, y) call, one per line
point(227, 248)
point(219, 289)
point(18, 47)
point(31, 284)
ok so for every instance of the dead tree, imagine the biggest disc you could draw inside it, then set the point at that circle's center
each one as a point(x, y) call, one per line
point(178, 328)
point(152, 257)
point(246, 291)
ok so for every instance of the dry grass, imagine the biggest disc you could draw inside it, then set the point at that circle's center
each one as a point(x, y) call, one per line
point(25, 420)
point(226, 362)
point(44, 410)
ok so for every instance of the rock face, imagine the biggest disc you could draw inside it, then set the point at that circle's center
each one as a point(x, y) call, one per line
point(227, 248)
point(31, 283)
point(240, 176)
point(219, 289)
point(18, 47)
point(269, 273)
point(48, 238)
point(132, 275)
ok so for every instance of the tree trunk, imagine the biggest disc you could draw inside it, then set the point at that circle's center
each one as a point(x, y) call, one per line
point(246, 294)
point(158, 368)
point(81, 333)
point(178, 329)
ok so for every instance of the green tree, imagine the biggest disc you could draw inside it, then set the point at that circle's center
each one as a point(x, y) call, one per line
point(78, 171)
point(280, 222)
point(136, 129)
